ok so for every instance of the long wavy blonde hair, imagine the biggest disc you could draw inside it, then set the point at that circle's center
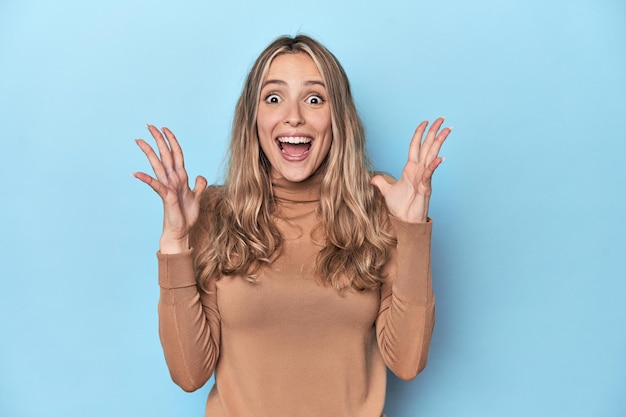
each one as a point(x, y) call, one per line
point(236, 235)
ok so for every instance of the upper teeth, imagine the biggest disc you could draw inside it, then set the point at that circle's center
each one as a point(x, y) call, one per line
point(295, 140)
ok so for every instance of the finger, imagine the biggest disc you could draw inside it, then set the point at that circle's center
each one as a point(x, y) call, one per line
point(416, 142)
point(434, 164)
point(164, 149)
point(155, 162)
point(427, 175)
point(433, 152)
point(153, 183)
point(430, 139)
point(177, 152)
point(381, 183)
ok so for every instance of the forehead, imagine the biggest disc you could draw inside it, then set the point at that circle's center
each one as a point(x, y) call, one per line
point(293, 66)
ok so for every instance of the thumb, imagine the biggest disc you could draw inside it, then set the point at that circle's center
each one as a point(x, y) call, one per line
point(200, 185)
point(381, 183)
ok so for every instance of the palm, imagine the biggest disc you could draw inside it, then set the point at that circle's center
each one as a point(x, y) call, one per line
point(409, 197)
point(181, 205)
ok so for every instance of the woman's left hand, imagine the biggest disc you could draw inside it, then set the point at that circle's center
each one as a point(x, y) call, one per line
point(408, 198)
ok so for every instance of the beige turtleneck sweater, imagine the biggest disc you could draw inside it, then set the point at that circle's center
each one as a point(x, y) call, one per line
point(287, 346)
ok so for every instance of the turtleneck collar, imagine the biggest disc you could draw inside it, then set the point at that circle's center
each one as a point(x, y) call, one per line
point(303, 191)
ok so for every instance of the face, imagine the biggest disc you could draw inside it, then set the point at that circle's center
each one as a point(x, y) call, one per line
point(293, 119)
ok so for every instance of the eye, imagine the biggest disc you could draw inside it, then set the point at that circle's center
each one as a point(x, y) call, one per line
point(272, 99)
point(314, 99)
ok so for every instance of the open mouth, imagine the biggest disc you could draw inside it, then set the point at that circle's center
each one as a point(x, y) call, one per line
point(294, 146)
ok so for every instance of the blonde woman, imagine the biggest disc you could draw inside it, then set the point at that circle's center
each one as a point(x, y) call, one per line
point(303, 277)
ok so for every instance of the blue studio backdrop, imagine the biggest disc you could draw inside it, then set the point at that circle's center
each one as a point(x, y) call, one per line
point(529, 236)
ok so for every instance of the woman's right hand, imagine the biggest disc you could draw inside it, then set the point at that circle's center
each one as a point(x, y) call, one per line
point(181, 205)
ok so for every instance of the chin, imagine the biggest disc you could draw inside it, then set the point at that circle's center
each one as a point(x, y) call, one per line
point(295, 175)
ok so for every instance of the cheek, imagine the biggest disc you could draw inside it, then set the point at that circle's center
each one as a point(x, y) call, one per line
point(265, 141)
point(265, 123)
point(260, 124)
point(326, 121)
point(320, 125)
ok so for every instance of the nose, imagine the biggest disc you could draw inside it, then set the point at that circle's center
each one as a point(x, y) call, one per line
point(294, 117)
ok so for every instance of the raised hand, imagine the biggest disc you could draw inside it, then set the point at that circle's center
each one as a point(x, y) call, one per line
point(408, 198)
point(181, 205)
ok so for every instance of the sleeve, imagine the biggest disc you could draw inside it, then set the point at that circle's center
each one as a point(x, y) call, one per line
point(406, 317)
point(189, 319)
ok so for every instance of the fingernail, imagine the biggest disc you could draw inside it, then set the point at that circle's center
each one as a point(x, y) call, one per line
point(450, 128)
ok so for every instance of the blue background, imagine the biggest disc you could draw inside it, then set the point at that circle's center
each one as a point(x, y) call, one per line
point(529, 238)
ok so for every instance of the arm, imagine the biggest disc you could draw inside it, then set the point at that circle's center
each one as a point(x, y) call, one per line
point(188, 317)
point(406, 317)
point(189, 322)
point(407, 310)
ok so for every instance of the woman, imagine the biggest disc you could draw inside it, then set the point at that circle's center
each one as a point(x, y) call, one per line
point(302, 278)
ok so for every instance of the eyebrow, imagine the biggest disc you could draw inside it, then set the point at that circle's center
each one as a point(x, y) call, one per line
point(281, 82)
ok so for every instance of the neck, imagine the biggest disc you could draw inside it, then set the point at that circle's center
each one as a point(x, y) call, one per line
point(303, 191)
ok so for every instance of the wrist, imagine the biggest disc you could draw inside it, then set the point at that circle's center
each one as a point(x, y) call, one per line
point(169, 245)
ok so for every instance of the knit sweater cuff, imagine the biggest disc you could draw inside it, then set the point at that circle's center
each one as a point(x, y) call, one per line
point(176, 270)
point(406, 231)
point(413, 281)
